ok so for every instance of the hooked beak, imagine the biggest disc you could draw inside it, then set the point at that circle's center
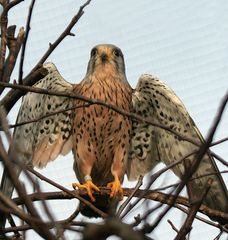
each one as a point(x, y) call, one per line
point(103, 57)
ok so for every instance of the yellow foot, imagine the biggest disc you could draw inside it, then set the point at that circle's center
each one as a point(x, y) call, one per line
point(89, 186)
point(116, 189)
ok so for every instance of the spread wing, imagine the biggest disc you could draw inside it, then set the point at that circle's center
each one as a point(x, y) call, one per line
point(42, 141)
point(155, 101)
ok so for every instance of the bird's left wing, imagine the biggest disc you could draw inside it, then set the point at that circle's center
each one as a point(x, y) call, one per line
point(155, 101)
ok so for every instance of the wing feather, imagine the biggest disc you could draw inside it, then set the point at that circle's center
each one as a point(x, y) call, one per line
point(41, 141)
point(44, 140)
point(155, 101)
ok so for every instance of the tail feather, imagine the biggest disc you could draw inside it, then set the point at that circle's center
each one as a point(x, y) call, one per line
point(103, 203)
point(7, 188)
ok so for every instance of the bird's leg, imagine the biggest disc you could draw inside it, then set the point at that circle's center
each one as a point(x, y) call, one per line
point(117, 170)
point(119, 161)
point(88, 186)
point(116, 189)
point(84, 169)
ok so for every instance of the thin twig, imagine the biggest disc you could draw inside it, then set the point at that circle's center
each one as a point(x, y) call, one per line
point(72, 193)
point(218, 236)
point(14, 94)
point(122, 207)
point(213, 224)
point(11, 98)
point(14, 46)
point(194, 166)
point(172, 225)
point(50, 225)
point(220, 159)
point(187, 226)
point(66, 32)
point(40, 228)
point(219, 141)
point(27, 29)
point(99, 102)
point(153, 178)
point(46, 116)
point(146, 194)
point(4, 23)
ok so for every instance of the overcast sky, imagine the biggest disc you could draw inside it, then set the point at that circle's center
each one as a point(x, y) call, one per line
point(184, 42)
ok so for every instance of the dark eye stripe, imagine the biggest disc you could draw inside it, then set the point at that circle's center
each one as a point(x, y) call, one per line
point(117, 52)
point(93, 52)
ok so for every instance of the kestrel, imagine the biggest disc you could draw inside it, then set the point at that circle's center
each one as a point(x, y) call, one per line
point(107, 144)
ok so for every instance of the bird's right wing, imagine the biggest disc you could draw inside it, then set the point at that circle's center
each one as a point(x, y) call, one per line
point(43, 140)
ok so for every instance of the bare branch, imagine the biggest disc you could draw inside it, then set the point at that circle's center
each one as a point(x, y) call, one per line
point(203, 149)
point(27, 29)
point(4, 39)
point(221, 160)
point(46, 116)
point(100, 102)
point(13, 95)
point(138, 185)
point(65, 33)
point(14, 44)
point(219, 141)
point(74, 194)
point(11, 98)
point(41, 229)
point(186, 228)
point(146, 194)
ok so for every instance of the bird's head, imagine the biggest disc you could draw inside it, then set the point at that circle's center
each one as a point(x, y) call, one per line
point(107, 59)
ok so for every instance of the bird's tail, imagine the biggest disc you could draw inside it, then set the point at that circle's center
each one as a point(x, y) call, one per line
point(7, 188)
point(103, 202)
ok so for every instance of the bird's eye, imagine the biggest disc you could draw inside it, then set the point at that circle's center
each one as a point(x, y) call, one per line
point(93, 52)
point(116, 52)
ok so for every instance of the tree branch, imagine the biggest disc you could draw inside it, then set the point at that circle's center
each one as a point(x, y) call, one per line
point(11, 98)
point(146, 194)
point(65, 33)
point(203, 149)
point(186, 228)
point(27, 29)
point(99, 102)
point(14, 94)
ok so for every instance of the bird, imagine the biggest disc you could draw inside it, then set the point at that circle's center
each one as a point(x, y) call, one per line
point(107, 144)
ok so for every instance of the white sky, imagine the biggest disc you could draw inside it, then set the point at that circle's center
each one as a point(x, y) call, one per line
point(184, 42)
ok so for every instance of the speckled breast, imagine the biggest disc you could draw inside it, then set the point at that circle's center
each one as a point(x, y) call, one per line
point(102, 127)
